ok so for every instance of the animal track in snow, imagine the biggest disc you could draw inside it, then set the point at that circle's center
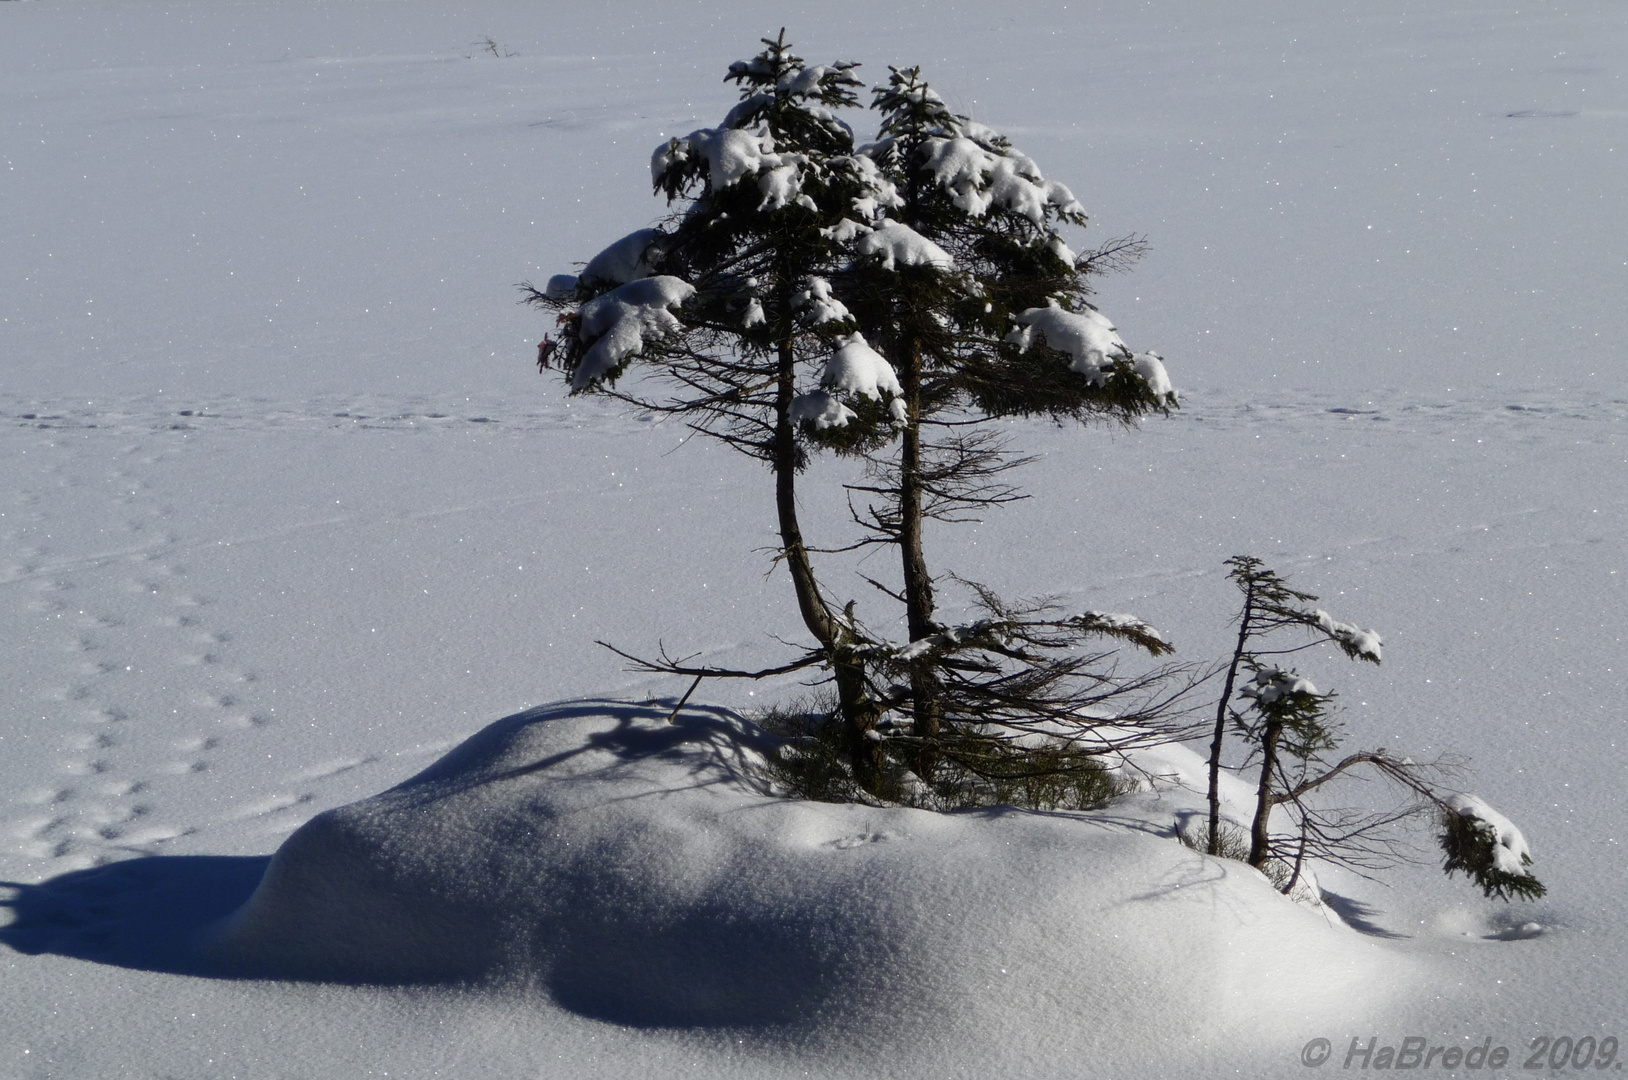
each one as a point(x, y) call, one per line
point(331, 768)
point(272, 805)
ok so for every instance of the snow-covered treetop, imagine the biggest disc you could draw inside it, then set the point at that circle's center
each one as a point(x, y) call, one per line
point(784, 103)
point(975, 166)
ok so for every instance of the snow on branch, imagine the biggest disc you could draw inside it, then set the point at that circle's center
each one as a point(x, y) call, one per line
point(1358, 644)
point(979, 179)
point(898, 245)
point(1272, 685)
point(854, 370)
point(620, 323)
point(1088, 337)
point(1128, 627)
point(1488, 847)
point(628, 259)
point(817, 302)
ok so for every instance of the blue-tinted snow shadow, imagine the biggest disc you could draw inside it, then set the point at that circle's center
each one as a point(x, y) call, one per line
point(148, 913)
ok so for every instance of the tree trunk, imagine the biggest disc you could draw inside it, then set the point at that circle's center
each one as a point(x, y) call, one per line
point(859, 710)
point(1221, 721)
point(925, 690)
point(1260, 838)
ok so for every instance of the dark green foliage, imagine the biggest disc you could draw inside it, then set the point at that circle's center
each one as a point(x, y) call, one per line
point(812, 761)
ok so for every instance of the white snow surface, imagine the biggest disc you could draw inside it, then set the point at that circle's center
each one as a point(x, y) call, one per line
point(287, 514)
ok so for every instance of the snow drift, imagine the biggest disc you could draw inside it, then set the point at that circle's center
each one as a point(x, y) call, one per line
point(641, 872)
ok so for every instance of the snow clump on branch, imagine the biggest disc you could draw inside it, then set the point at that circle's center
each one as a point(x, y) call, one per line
point(1093, 344)
point(1087, 336)
point(816, 299)
point(620, 322)
point(900, 245)
point(978, 179)
point(1509, 844)
point(732, 155)
point(628, 259)
point(1117, 622)
point(1273, 684)
point(855, 369)
point(1363, 644)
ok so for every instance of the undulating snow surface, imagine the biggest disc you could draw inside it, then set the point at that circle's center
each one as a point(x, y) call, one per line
point(286, 516)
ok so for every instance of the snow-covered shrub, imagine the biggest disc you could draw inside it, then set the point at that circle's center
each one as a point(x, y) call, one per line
point(1291, 731)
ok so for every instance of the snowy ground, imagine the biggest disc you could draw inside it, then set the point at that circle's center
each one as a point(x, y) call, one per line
point(286, 515)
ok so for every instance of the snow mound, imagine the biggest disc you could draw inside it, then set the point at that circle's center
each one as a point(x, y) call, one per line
point(640, 872)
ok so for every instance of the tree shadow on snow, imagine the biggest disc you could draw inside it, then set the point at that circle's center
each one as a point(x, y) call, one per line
point(1357, 915)
point(148, 913)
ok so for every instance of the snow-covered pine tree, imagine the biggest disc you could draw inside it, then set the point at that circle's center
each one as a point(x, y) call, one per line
point(730, 297)
point(1291, 728)
point(977, 310)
